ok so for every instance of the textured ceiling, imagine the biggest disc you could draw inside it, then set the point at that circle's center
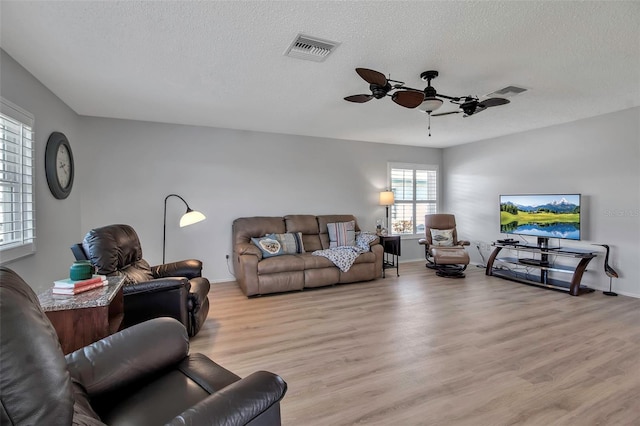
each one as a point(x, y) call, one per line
point(221, 64)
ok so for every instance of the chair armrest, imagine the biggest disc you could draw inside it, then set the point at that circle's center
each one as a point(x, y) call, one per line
point(128, 355)
point(237, 404)
point(157, 285)
point(423, 241)
point(248, 248)
point(189, 268)
point(463, 243)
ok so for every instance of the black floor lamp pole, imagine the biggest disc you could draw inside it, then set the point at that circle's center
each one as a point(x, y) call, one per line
point(164, 226)
point(388, 224)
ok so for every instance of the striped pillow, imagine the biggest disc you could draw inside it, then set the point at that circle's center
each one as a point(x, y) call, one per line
point(291, 242)
point(342, 234)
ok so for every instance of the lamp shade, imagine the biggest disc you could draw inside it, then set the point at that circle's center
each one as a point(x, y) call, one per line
point(430, 104)
point(386, 198)
point(191, 217)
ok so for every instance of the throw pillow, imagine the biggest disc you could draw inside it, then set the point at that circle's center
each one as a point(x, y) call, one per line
point(268, 245)
point(342, 234)
point(291, 242)
point(442, 237)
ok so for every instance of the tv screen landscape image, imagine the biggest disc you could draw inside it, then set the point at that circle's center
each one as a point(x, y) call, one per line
point(541, 215)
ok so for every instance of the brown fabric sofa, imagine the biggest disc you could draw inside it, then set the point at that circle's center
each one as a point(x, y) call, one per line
point(257, 275)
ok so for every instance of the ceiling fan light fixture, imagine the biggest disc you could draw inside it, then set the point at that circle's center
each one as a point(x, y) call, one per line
point(430, 104)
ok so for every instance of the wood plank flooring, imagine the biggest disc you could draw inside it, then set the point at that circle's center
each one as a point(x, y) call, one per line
point(424, 350)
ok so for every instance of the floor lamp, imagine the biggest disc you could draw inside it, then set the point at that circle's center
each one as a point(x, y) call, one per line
point(387, 199)
point(189, 218)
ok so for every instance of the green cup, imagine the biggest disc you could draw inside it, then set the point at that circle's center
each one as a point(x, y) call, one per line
point(81, 270)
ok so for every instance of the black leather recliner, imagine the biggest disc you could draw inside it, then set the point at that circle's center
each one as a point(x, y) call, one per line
point(141, 376)
point(176, 290)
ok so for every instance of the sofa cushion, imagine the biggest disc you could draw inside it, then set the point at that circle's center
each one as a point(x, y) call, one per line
point(268, 245)
point(245, 228)
point(305, 223)
point(284, 263)
point(342, 234)
point(291, 242)
point(308, 225)
point(315, 262)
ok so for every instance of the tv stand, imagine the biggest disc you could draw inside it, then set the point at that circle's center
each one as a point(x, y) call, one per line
point(531, 261)
point(542, 265)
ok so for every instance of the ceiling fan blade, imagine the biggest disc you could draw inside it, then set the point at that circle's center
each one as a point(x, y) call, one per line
point(408, 98)
point(446, 113)
point(477, 110)
point(372, 77)
point(491, 102)
point(360, 99)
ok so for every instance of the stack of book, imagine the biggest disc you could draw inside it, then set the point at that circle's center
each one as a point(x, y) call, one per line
point(70, 287)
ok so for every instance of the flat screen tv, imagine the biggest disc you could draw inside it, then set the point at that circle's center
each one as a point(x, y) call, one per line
point(541, 215)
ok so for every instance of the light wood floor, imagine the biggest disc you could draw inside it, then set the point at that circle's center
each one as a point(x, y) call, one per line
point(424, 350)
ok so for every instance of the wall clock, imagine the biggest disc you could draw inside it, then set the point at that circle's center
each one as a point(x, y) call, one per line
point(58, 165)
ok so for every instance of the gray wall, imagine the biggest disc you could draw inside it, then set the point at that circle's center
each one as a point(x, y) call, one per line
point(128, 168)
point(597, 157)
point(124, 169)
point(57, 221)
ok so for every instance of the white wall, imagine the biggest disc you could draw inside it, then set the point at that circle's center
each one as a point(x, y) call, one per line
point(597, 157)
point(128, 168)
point(57, 221)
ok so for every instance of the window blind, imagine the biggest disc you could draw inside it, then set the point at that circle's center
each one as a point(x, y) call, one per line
point(415, 188)
point(17, 204)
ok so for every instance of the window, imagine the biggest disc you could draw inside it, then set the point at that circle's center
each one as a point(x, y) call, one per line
point(415, 188)
point(17, 207)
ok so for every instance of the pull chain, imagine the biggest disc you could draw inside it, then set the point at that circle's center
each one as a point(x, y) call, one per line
point(429, 126)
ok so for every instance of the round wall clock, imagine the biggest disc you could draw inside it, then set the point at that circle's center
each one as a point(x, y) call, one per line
point(58, 165)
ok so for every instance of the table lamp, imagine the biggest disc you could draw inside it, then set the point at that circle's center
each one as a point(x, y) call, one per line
point(387, 199)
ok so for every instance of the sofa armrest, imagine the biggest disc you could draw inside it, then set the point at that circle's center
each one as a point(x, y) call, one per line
point(189, 268)
point(157, 285)
point(463, 243)
point(128, 355)
point(237, 404)
point(247, 248)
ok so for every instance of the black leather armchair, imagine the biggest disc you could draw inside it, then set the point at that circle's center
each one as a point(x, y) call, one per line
point(141, 376)
point(176, 290)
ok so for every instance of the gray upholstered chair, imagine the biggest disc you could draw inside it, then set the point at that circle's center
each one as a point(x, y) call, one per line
point(143, 375)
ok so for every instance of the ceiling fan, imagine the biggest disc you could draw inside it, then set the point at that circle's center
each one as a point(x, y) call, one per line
point(411, 98)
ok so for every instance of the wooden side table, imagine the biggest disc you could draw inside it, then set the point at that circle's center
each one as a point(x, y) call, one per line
point(391, 245)
point(87, 317)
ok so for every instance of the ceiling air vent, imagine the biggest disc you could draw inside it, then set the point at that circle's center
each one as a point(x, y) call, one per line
point(311, 48)
point(506, 92)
